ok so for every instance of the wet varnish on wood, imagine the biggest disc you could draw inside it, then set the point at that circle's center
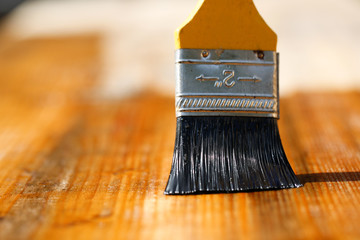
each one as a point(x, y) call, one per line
point(76, 166)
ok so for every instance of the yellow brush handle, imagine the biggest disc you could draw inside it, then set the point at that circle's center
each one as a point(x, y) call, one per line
point(226, 24)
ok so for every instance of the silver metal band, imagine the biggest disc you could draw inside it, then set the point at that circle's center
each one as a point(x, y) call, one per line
point(227, 83)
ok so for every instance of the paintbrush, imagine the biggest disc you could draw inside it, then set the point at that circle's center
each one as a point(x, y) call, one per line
point(227, 103)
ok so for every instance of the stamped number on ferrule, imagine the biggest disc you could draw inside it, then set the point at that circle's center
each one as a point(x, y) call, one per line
point(228, 80)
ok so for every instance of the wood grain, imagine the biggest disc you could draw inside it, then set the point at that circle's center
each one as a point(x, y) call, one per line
point(74, 166)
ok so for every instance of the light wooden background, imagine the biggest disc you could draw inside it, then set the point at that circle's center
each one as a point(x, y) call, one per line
point(318, 40)
point(76, 166)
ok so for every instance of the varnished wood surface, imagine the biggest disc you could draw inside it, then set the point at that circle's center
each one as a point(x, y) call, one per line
point(76, 166)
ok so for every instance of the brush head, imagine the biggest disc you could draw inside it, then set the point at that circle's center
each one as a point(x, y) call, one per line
point(227, 103)
point(228, 154)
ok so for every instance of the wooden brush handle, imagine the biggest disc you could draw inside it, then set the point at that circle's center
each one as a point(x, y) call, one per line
point(226, 24)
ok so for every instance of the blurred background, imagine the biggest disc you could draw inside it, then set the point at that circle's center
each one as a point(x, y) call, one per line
point(318, 41)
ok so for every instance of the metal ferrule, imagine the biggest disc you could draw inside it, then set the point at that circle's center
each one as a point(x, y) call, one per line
point(227, 83)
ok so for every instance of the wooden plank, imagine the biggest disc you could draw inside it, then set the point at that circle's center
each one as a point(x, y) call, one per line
point(73, 167)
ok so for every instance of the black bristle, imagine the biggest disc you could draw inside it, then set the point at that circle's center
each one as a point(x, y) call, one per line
point(228, 154)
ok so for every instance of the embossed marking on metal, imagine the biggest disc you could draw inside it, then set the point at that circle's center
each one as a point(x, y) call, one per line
point(226, 83)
